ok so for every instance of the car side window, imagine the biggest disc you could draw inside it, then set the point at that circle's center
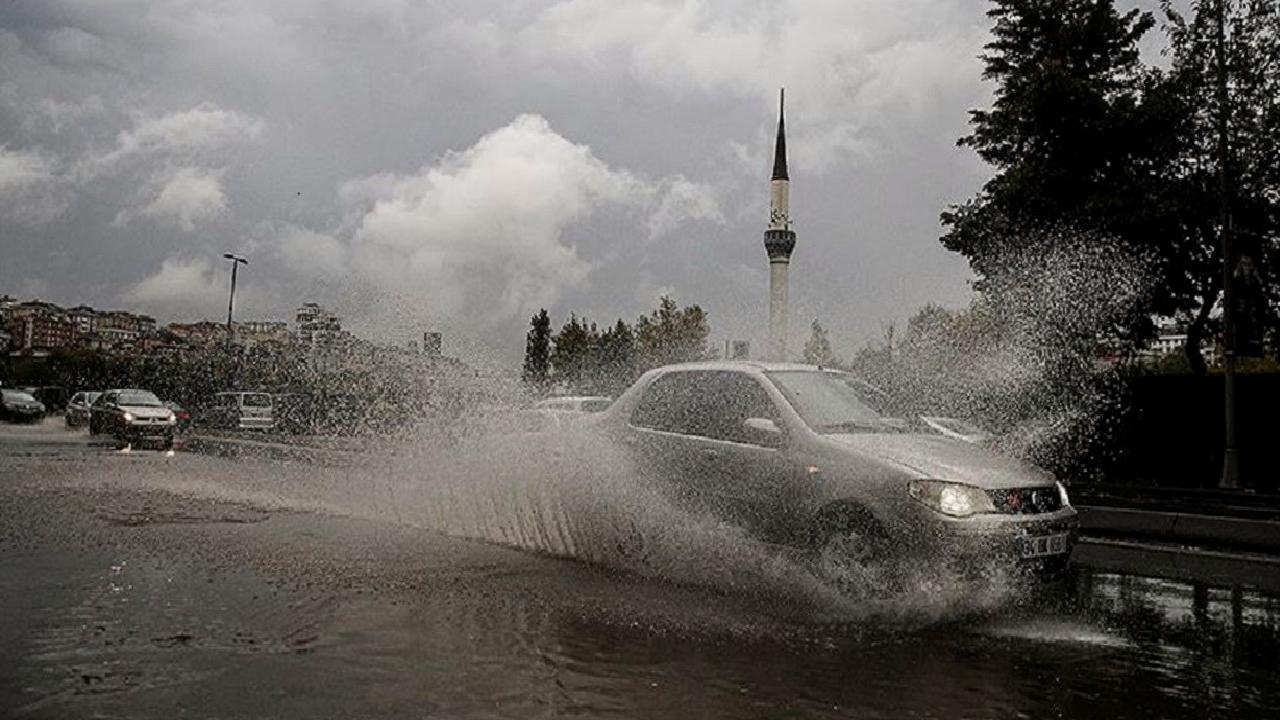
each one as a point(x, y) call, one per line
point(667, 404)
point(708, 403)
point(730, 398)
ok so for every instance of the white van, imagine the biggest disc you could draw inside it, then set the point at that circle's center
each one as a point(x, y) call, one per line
point(242, 410)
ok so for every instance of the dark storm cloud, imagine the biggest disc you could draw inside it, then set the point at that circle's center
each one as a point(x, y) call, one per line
point(459, 164)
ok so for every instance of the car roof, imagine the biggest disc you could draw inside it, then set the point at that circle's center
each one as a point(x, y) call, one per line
point(120, 390)
point(575, 398)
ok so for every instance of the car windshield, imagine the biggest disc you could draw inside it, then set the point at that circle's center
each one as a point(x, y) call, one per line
point(89, 398)
point(257, 400)
point(16, 396)
point(137, 397)
point(832, 402)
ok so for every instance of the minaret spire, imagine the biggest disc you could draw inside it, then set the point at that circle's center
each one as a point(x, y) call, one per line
point(779, 240)
point(780, 145)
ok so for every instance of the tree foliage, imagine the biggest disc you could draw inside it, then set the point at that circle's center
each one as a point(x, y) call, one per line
point(587, 360)
point(1090, 144)
point(817, 351)
point(537, 349)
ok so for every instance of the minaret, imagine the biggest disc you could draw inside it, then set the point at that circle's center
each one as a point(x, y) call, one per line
point(779, 241)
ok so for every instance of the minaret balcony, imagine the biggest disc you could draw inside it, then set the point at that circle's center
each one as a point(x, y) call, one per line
point(779, 243)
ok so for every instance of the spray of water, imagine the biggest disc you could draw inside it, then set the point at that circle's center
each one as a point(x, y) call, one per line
point(1022, 360)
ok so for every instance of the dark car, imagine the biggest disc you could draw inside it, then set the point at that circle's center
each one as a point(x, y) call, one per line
point(798, 455)
point(133, 417)
point(20, 406)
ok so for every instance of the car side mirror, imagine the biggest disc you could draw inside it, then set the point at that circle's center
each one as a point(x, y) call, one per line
point(763, 427)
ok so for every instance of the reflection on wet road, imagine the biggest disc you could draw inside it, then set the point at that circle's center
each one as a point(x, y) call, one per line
point(152, 587)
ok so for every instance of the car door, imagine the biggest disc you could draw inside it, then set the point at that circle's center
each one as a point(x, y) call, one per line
point(747, 472)
point(661, 439)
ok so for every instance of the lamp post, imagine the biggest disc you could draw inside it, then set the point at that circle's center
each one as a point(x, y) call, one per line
point(236, 260)
point(1230, 478)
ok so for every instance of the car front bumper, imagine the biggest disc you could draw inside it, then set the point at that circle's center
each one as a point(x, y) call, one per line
point(1034, 541)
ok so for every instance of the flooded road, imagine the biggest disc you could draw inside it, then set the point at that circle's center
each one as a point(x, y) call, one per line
point(143, 586)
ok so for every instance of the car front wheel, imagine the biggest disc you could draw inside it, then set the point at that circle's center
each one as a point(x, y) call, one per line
point(850, 533)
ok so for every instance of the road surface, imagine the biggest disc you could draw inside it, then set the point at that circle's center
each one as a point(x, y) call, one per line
point(144, 586)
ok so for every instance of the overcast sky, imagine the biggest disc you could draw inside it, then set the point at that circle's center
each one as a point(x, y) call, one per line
point(458, 164)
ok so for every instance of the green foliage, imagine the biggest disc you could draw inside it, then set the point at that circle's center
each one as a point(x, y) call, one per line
point(585, 360)
point(1090, 146)
point(574, 357)
point(671, 334)
point(817, 351)
point(537, 348)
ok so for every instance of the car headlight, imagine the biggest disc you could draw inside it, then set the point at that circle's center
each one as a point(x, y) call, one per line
point(1062, 494)
point(172, 418)
point(950, 498)
point(128, 416)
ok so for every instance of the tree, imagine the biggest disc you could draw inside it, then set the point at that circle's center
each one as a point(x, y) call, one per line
point(671, 334)
point(817, 351)
point(1251, 115)
point(616, 359)
point(537, 348)
point(1094, 149)
point(1075, 149)
point(573, 355)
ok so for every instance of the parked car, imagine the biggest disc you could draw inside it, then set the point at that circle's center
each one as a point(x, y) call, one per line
point(798, 455)
point(241, 410)
point(20, 406)
point(133, 417)
point(77, 413)
point(179, 412)
point(575, 403)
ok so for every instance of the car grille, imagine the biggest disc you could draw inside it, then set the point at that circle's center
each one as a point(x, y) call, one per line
point(1026, 501)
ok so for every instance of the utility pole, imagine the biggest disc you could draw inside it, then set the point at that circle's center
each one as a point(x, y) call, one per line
point(236, 261)
point(1230, 460)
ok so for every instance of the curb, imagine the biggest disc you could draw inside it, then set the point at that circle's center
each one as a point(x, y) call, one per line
point(1181, 527)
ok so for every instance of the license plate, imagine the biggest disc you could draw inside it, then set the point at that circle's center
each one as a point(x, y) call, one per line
point(1035, 546)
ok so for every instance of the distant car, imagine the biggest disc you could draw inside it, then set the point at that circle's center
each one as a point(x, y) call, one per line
point(575, 403)
point(20, 406)
point(179, 412)
point(77, 413)
point(132, 416)
point(799, 455)
point(241, 410)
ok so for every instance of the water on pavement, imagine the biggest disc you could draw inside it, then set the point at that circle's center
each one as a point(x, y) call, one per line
point(144, 586)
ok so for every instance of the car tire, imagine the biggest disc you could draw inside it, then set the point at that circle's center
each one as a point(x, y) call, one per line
point(850, 531)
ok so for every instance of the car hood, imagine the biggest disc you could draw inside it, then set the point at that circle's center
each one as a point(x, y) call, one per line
point(941, 458)
point(146, 411)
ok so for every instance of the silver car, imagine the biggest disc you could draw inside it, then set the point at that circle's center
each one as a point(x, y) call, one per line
point(78, 408)
point(797, 455)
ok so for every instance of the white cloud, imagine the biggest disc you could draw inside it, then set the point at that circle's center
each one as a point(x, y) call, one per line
point(482, 232)
point(684, 201)
point(309, 253)
point(182, 197)
point(854, 68)
point(31, 191)
point(199, 135)
point(181, 284)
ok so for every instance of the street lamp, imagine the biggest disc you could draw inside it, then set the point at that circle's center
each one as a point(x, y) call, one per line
point(236, 260)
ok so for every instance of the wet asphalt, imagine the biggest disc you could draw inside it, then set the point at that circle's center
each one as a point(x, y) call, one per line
point(143, 586)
